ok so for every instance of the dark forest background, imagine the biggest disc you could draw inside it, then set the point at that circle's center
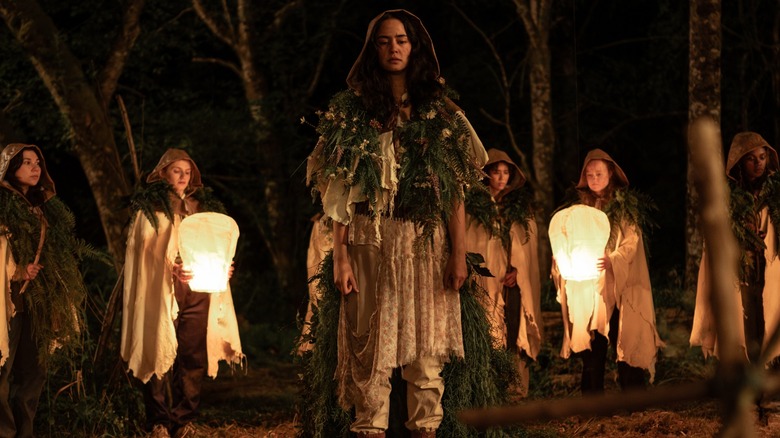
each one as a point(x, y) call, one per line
point(619, 82)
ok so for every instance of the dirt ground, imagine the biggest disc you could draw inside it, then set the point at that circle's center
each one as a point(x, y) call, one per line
point(263, 401)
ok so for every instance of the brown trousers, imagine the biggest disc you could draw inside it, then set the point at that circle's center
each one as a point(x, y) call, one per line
point(21, 380)
point(185, 380)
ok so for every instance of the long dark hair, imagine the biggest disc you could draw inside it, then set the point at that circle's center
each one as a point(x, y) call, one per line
point(34, 194)
point(421, 71)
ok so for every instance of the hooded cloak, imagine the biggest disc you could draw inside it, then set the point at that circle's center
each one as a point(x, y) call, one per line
point(626, 287)
point(704, 332)
point(518, 251)
point(148, 334)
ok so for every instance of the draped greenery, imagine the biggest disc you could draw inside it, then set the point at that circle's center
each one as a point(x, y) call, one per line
point(481, 379)
point(156, 196)
point(54, 300)
point(497, 217)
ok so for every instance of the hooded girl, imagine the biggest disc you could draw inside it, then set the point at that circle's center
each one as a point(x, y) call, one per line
point(170, 332)
point(623, 314)
point(752, 171)
point(501, 227)
point(42, 292)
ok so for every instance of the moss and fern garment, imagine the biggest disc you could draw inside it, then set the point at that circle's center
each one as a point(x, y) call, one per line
point(505, 234)
point(395, 189)
point(149, 342)
point(54, 299)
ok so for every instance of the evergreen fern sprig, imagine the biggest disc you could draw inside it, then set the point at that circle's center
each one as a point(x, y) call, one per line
point(770, 197)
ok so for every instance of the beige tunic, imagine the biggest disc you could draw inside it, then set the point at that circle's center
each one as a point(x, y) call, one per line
point(703, 332)
point(625, 287)
point(524, 259)
point(6, 306)
point(149, 305)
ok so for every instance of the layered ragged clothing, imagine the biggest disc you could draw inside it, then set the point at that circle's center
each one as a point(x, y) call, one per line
point(41, 316)
point(504, 232)
point(625, 288)
point(755, 213)
point(149, 336)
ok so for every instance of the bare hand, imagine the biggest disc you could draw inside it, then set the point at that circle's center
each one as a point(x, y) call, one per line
point(183, 275)
point(344, 277)
point(31, 271)
point(455, 273)
point(231, 269)
point(510, 279)
point(604, 263)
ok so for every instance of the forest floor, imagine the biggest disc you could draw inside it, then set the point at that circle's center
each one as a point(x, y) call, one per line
point(264, 401)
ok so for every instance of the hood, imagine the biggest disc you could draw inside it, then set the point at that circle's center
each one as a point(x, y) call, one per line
point(421, 33)
point(13, 149)
point(619, 177)
point(518, 179)
point(743, 144)
point(170, 156)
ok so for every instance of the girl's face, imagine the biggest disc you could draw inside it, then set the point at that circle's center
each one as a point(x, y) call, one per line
point(754, 163)
point(499, 177)
point(392, 46)
point(178, 175)
point(598, 175)
point(29, 173)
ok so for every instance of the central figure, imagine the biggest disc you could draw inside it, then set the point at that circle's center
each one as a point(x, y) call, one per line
point(393, 159)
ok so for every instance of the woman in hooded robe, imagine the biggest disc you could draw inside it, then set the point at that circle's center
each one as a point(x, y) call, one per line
point(394, 156)
point(41, 288)
point(170, 333)
point(622, 313)
point(501, 227)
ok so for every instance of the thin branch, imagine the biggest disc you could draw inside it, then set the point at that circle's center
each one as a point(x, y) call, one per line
point(121, 50)
point(129, 134)
point(227, 64)
point(324, 51)
point(216, 29)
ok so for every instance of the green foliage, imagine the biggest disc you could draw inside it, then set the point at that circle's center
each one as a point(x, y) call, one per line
point(481, 379)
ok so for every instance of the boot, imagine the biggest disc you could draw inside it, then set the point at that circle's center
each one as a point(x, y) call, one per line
point(370, 435)
point(424, 433)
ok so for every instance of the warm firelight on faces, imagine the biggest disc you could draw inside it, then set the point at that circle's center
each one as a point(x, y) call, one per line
point(392, 46)
point(178, 175)
point(499, 177)
point(754, 163)
point(598, 175)
point(29, 173)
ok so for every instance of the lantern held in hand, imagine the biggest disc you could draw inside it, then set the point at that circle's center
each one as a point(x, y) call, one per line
point(207, 244)
point(578, 236)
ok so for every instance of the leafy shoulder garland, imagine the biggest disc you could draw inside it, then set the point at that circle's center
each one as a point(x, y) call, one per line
point(154, 197)
point(770, 197)
point(514, 207)
point(433, 149)
point(54, 300)
point(632, 207)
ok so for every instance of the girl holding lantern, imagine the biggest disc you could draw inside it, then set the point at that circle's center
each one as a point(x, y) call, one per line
point(41, 288)
point(752, 171)
point(501, 227)
point(393, 158)
point(171, 333)
point(623, 312)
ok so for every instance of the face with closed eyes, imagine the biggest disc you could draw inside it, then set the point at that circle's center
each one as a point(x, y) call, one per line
point(178, 175)
point(392, 46)
point(499, 177)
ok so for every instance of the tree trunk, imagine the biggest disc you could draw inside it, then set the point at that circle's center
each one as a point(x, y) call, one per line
point(776, 74)
point(91, 132)
point(535, 15)
point(703, 100)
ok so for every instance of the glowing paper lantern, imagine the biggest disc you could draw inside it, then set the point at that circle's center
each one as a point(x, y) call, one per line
point(578, 236)
point(207, 244)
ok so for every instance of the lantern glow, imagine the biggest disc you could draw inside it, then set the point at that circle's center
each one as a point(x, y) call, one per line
point(578, 236)
point(207, 244)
